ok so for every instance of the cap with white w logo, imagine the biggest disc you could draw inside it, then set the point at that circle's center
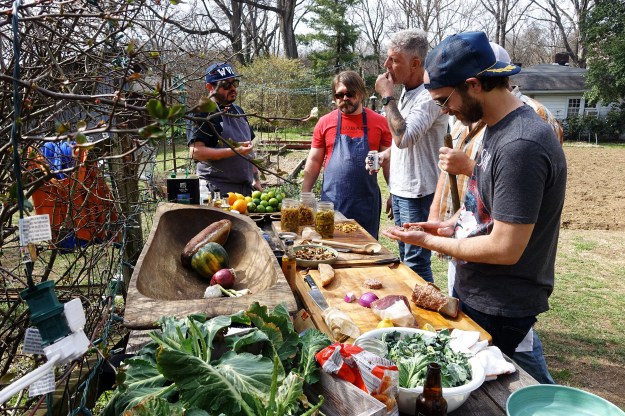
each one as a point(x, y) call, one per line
point(220, 71)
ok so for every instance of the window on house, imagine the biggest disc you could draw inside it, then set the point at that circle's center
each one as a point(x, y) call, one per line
point(573, 107)
point(590, 108)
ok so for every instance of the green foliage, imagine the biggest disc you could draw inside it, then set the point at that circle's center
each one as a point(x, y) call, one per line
point(412, 353)
point(261, 372)
point(278, 87)
point(605, 33)
point(606, 128)
point(333, 31)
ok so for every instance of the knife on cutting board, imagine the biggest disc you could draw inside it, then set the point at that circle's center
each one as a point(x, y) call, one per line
point(364, 263)
point(315, 293)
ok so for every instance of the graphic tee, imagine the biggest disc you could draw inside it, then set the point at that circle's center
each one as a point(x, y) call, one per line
point(520, 177)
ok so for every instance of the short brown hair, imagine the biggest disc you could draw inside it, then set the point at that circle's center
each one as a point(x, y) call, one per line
point(352, 81)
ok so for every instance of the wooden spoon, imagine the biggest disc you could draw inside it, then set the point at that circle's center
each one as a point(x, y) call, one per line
point(369, 248)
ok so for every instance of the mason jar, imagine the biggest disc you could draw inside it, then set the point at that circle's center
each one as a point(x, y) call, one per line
point(289, 215)
point(307, 209)
point(324, 219)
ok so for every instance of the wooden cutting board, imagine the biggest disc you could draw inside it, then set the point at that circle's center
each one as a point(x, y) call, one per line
point(396, 280)
point(358, 236)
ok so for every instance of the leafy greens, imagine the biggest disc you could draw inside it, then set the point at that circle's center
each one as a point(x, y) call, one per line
point(413, 352)
point(192, 368)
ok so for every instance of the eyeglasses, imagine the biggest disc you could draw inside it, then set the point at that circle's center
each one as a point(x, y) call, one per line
point(443, 105)
point(227, 85)
point(342, 95)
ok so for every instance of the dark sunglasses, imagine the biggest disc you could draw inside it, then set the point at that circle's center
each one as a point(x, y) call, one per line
point(227, 85)
point(341, 95)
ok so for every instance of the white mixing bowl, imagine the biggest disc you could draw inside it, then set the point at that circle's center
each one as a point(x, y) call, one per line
point(455, 396)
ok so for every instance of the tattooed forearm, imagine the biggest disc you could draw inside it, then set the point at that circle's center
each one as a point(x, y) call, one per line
point(396, 122)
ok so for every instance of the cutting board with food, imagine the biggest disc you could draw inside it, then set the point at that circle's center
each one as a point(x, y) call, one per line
point(381, 281)
point(351, 233)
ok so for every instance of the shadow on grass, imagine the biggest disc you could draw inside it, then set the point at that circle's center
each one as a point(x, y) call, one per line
point(588, 363)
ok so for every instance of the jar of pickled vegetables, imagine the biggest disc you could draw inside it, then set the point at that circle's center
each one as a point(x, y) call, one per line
point(289, 215)
point(324, 219)
point(307, 209)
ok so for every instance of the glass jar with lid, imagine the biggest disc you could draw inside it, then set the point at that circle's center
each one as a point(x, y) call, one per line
point(324, 219)
point(307, 209)
point(289, 218)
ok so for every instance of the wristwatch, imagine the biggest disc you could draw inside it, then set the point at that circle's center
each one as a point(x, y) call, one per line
point(386, 100)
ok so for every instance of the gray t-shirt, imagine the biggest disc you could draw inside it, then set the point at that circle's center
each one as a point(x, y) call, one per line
point(520, 178)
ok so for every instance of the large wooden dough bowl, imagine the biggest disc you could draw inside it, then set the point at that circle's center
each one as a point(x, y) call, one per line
point(160, 286)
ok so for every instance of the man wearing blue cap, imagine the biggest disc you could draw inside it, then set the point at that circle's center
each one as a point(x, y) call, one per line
point(506, 232)
point(222, 167)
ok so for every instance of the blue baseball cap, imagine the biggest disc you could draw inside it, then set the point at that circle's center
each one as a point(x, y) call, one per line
point(219, 71)
point(462, 56)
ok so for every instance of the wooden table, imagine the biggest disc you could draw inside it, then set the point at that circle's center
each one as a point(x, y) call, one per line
point(489, 400)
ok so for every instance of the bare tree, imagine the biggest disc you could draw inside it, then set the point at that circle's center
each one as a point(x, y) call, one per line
point(568, 17)
point(285, 10)
point(437, 17)
point(372, 17)
point(507, 15)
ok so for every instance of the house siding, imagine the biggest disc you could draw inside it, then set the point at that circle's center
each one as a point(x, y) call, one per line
point(554, 86)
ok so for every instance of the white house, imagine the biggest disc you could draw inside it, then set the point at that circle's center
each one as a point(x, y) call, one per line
point(560, 88)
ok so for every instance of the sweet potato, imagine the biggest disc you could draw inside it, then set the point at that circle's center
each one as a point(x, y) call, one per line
point(216, 232)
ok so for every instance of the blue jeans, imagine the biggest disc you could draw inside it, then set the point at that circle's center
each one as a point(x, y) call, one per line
point(414, 210)
point(534, 362)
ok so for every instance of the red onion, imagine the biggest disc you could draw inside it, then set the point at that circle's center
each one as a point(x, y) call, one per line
point(223, 277)
point(366, 299)
point(349, 297)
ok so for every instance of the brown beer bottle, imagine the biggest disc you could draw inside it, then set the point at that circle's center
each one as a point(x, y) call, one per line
point(431, 402)
point(289, 264)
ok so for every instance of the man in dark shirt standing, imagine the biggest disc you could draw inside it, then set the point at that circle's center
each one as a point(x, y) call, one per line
point(219, 165)
point(506, 231)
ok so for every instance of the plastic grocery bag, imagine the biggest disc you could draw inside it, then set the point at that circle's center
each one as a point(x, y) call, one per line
point(373, 374)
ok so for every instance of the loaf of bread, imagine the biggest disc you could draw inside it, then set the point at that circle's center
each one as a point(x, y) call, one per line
point(430, 297)
point(326, 273)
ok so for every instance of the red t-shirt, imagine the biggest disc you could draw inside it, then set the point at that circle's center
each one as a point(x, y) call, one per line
point(351, 125)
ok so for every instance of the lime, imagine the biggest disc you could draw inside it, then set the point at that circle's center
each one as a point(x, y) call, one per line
point(264, 197)
point(279, 197)
point(256, 194)
point(271, 194)
point(261, 209)
point(251, 207)
point(264, 203)
point(256, 201)
point(269, 208)
point(248, 199)
point(274, 202)
point(279, 207)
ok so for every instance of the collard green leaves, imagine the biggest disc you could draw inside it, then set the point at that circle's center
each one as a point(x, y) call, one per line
point(193, 365)
point(412, 353)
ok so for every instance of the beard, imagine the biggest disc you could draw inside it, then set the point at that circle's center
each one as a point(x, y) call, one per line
point(347, 107)
point(471, 110)
point(225, 98)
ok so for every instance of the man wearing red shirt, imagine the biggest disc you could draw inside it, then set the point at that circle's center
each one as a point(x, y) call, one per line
point(341, 141)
